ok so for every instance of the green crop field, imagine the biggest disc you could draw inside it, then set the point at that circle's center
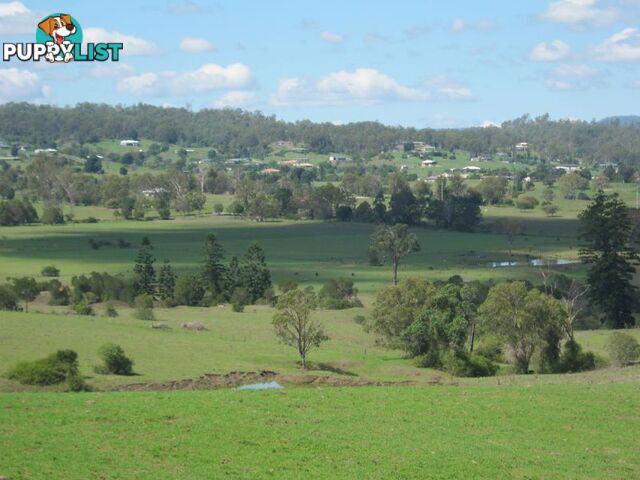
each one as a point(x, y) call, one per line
point(521, 432)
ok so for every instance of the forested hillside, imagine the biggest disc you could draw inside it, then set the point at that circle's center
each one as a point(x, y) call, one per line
point(235, 132)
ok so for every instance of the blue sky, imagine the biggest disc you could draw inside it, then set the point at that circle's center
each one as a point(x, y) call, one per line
point(417, 63)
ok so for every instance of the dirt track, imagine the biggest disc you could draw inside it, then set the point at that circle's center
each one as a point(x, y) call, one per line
point(211, 381)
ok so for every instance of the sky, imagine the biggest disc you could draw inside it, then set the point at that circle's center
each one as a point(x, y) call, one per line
point(424, 63)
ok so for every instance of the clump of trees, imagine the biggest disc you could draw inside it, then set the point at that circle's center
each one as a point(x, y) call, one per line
point(57, 368)
point(115, 361)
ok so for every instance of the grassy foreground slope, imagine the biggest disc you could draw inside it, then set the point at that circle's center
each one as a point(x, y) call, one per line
point(546, 431)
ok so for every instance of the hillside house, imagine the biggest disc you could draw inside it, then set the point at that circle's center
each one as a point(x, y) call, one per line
point(428, 163)
point(129, 143)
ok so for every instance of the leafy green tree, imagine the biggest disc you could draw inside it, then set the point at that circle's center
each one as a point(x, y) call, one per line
point(213, 269)
point(570, 183)
point(520, 317)
point(607, 229)
point(143, 307)
point(394, 243)
point(144, 272)
point(162, 204)
point(396, 307)
point(255, 275)
point(623, 349)
point(189, 289)
point(52, 215)
point(166, 283)
point(294, 325)
point(8, 298)
point(493, 189)
point(26, 289)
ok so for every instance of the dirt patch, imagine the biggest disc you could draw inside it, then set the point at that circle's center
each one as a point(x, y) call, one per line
point(212, 381)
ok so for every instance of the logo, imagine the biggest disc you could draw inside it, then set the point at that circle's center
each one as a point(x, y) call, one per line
point(59, 39)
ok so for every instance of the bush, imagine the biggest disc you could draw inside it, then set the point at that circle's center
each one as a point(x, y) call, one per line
point(115, 360)
point(189, 290)
point(8, 298)
point(239, 299)
point(58, 293)
point(339, 294)
point(287, 284)
point(526, 203)
point(110, 310)
point(143, 307)
point(50, 271)
point(52, 370)
point(491, 347)
point(52, 215)
point(83, 308)
point(360, 319)
point(623, 349)
point(573, 359)
point(461, 364)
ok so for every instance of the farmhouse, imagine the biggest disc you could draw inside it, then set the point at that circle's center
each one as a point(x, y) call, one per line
point(152, 192)
point(471, 168)
point(522, 147)
point(567, 169)
point(338, 159)
point(45, 150)
point(129, 143)
point(428, 163)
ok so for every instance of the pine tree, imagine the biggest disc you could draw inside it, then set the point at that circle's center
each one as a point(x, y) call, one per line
point(213, 271)
point(607, 229)
point(255, 275)
point(166, 282)
point(234, 279)
point(145, 274)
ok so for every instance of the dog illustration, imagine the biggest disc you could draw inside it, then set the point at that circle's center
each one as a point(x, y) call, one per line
point(58, 28)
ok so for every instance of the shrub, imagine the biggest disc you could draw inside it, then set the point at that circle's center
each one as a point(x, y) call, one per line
point(218, 208)
point(58, 293)
point(8, 298)
point(239, 299)
point(491, 347)
point(83, 308)
point(52, 370)
point(50, 271)
point(110, 310)
point(526, 203)
point(115, 360)
point(143, 307)
point(623, 349)
point(360, 319)
point(338, 294)
point(461, 364)
point(573, 359)
point(52, 215)
point(287, 284)
point(189, 289)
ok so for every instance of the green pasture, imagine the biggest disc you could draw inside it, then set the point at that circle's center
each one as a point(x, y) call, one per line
point(520, 432)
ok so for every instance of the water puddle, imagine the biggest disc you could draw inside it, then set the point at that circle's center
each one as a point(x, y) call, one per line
point(260, 386)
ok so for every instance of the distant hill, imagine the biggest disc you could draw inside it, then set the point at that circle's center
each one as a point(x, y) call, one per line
point(622, 120)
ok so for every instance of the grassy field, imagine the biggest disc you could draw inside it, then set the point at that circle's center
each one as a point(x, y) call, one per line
point(234, 342)
point(310, 252)
point(543, 432)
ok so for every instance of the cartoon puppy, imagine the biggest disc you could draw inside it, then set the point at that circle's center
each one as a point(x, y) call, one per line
point(58, 28)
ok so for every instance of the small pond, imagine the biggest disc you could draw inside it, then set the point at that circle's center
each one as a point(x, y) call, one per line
point(535, 262)
point(260, 386)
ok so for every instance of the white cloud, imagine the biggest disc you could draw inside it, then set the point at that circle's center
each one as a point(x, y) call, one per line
point(360, 86)
point(196, 45)
point(185, 8)
point(332, 37)
point(578, 13)
point(550, 51)
point(132, 45)
point(236, 99)
point(374, 37)
point(447, 89)
point(17, 19)
point(17, 85)
point(622, 46)
point(207, 78)
point(562, 85)
point(111, 70)
point(574, 71)
point(458, 25)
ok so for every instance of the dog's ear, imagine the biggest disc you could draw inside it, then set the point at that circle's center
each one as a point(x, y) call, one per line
point(47, 25)
point(66, 18)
